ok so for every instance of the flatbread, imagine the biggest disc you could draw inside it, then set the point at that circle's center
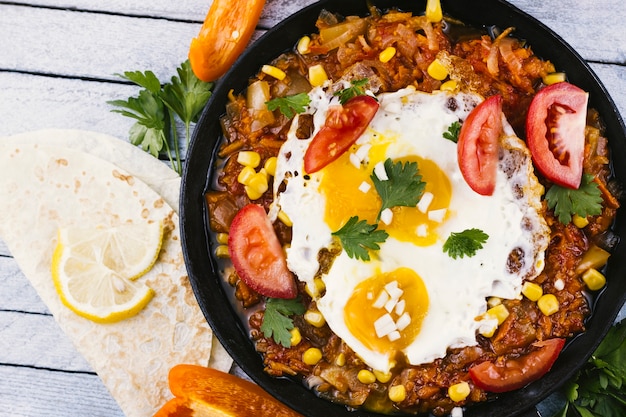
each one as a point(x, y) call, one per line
point(44, 187)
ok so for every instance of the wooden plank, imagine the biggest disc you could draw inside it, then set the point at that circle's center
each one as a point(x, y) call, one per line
point(26, 392)
point(16, 292)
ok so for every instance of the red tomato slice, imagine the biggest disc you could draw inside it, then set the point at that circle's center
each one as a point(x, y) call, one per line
point(344, 124)
point(257, 254)
point(555, 132)
point(516, 373)
point(477, 148)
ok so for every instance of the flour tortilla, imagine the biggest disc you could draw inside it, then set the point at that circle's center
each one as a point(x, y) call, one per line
point(46, 184)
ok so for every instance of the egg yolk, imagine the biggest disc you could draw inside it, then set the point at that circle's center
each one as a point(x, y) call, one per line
point(349, 191)
point(385, 311)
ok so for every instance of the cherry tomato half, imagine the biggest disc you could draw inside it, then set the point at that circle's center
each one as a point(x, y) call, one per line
point(516, 373)
point(477, 148)
point(555, 132)
point(344, 124)
point(257, 254)
point(225, 33)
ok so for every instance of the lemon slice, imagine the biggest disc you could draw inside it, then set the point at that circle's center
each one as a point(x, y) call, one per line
point(94, 269)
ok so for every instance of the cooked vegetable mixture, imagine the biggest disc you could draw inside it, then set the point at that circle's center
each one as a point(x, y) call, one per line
point(384, 53)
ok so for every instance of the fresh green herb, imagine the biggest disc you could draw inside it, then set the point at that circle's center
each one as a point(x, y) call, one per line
point(465, 243)
point(155, 107)
point(453, 132)
point(598, 390)
point(403, 186)
point(276, 321)
point(585, 201)
point(356, 89)
point(357, 237)
point(289, 105)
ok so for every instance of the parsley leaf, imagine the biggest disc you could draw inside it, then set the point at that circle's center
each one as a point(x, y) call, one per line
point(356, 89)
point(464, 243)
point(403, 186)
point(585, 201)
point(453, 132)
point(289, 105)
point(357, 236)
point(598, 389)
point(276, 321)
point(155, 107)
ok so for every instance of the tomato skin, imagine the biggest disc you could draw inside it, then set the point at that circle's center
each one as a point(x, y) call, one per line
point(344, 125)
point(477, 148)
point(225, 33)
point(257, 254)
point(559, 155)
point(516, 373)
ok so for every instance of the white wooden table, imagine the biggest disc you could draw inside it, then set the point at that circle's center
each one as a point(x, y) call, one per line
point(57, 64)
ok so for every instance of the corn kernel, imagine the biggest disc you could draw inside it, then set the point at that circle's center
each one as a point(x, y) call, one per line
point(250, 159)
point(459, 392)
point(340, 360)
point(246, 175)
point(579, 221)
point(548, 304)
point(594, 279)
point(270, 165)
point(532, 291)
point(257, 185)
point(314, 318)
point(554, 77)
point(312, 356)
point(397, 393)
point(221, 251)
point(303, 45)
point(387, 54)
point(433, 11)
point(231, 95)
point(450, 85)
point(366, 376)
point(499, 312)
point(296, 336)
point(273, 71)
point(494, 301)
point(319, 287)
point(437, 70)
point(222, 238)
point(383, 377)
point(317, 75)
point(282, 216)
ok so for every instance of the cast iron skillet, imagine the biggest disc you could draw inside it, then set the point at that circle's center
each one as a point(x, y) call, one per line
point(196, 244)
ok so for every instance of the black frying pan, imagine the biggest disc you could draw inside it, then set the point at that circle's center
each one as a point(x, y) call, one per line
point(202, 268)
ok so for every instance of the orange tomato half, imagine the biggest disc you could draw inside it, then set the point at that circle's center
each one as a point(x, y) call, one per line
point(224, 35)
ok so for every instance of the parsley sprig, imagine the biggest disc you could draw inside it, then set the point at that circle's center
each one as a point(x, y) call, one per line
point(465, 243)
point(156, 106)
point(358, 236)
point(289, 105)
point(584, 201)
point(453, 132)
point(404, 186)
point(357, 88)
point(277, 321)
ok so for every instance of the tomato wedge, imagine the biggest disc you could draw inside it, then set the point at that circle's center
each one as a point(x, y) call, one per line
point(555, 132)
point(257, 254)
point(516, 373)
point(225, 33)
point(344, 124)
point(477, 148)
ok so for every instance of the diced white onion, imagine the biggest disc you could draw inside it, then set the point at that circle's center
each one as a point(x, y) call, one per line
point(425, 201)
point(437, 215)
point(382, 299)
point(403, 321)
point(362, 152)
point(364, 187)
point(393, 336)
point(384, 325)
point(422, 230)
point(400, 307)
point(559, 284)
point(381, 173)
point(386, 216)
point(394, 290)
point(391, 304)
point(354, 160)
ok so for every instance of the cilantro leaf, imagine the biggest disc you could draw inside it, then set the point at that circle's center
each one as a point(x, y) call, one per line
point(289, 105)
point(403, 186)
point(357, 236)
point(276, 321)
point(453, 132)
point(356, 89)
point(465, 243)
point(146, 79)
point(585, 201)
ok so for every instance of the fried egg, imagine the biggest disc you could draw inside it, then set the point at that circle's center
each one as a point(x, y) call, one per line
point(411, 298)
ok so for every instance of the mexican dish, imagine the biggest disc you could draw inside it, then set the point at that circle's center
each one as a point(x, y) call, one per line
point(413, 214)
